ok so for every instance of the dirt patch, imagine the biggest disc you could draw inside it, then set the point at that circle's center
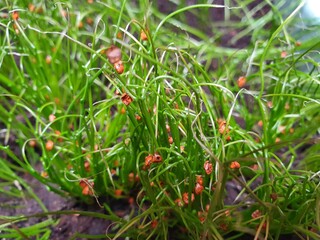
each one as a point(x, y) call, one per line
point(69, 224)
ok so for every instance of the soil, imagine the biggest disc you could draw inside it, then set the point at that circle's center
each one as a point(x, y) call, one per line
point(70, 221)
point(70, 224)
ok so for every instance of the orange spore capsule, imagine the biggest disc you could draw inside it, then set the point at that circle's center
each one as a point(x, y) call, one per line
point(154, 223)
point(148, 161)
point(235, 165)
point(15, 15)
point(157, 158)
point(185, 198)
point(208, 167)
point(143, 35)
point(241, 81)
point(119, 67)
point(126, 99)
point(49, 145)
point(198, 189)
point(32, 143)
point(118, 192)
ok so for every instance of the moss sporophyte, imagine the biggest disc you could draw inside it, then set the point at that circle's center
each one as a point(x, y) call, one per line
point(207, 129)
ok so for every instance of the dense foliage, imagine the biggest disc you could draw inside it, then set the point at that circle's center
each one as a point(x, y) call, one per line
point(117, 99)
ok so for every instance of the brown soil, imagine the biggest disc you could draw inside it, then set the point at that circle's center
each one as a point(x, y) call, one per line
point(65, 209)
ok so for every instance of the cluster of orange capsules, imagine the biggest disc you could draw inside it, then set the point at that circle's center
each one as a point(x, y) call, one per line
point(87, 187)
point(224, 129)
point(150, 159)
point(114, 56)
point(198, 189)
